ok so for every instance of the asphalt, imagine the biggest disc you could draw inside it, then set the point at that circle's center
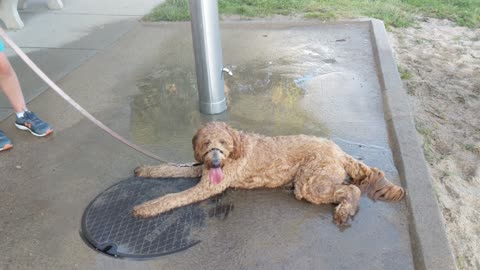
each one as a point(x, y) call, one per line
point(298, 77)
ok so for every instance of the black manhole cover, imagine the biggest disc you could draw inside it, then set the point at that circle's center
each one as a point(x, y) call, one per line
point(109, 227)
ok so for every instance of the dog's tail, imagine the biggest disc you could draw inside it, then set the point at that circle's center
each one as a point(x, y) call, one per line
point(372, 181)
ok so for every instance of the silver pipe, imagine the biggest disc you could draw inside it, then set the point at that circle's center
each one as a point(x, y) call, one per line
point(208, 55)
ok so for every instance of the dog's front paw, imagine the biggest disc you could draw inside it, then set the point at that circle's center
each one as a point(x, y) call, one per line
point(143, 211)
point(142, 171)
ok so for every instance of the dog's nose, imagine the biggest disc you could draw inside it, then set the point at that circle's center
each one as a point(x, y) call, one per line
point(216, 163)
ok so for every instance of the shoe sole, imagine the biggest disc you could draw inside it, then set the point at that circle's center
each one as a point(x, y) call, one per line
point(50, 131)
point(6, 147)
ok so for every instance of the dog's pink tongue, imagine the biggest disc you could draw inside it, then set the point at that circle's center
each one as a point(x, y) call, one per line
point(216, 175)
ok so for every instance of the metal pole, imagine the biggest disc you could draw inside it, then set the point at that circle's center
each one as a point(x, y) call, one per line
point(208, 55)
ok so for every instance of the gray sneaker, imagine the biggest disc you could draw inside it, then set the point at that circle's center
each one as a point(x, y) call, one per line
point(35, 125)
point(5, 142)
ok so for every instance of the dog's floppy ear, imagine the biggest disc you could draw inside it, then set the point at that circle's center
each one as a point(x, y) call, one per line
point(196, 153)
point(238, 148)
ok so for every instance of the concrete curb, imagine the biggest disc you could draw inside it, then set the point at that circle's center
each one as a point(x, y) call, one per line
point(430, 246)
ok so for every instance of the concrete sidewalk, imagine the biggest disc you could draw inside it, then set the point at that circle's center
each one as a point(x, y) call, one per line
point(58, 41)
point(323, 80)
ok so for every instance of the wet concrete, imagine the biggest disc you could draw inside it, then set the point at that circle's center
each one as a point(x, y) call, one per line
point(288, 79)
point(54, 62)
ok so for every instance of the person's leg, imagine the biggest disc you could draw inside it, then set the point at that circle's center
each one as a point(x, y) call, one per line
point(5, 142)
point(10, 85)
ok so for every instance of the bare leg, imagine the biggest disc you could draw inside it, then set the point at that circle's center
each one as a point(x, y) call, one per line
point(200, 192)
point(169, 170)
point(10, 85)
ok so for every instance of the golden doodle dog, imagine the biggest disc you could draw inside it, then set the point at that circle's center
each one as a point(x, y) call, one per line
point(229, 158)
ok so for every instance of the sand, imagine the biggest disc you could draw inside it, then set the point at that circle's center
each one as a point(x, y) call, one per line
point(440, 63)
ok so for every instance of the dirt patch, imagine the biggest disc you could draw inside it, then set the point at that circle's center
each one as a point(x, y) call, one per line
point(439, 63)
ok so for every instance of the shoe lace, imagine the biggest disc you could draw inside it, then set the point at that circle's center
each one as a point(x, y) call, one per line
point(30, 116)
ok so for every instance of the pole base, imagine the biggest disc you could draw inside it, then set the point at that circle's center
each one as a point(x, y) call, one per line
point(213, 108)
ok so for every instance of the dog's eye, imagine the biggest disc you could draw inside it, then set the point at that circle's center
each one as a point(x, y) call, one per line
point(206, 143)
point(222, 141)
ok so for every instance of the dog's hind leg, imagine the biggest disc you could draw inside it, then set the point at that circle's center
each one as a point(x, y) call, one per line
point(169, 170)
point(325, 186)
point(372, 181)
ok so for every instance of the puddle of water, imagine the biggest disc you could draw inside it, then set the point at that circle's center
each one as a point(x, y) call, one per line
point(267, 99)
point(263, 98)
point(312, 84)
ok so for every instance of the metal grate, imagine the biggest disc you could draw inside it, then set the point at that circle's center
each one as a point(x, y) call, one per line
point(109, 227)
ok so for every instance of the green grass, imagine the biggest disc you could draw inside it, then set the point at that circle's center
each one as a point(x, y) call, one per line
point(427, 133)
point(472, 148)
point(398, 13)
point(469, 147)
point(170, 10)
point(405, 74)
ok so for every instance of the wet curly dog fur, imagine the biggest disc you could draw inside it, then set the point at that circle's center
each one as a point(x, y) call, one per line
point(229, 158)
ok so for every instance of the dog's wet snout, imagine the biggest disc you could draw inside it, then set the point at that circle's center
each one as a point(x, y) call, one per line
point(216, 162)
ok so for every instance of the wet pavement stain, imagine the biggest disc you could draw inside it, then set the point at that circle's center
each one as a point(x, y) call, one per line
point(261, 99)
point(321, 84)
point(267, 229)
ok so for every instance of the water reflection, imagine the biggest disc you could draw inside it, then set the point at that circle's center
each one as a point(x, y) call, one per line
point(167, 106)
point(267, 100)
point(261, 99)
